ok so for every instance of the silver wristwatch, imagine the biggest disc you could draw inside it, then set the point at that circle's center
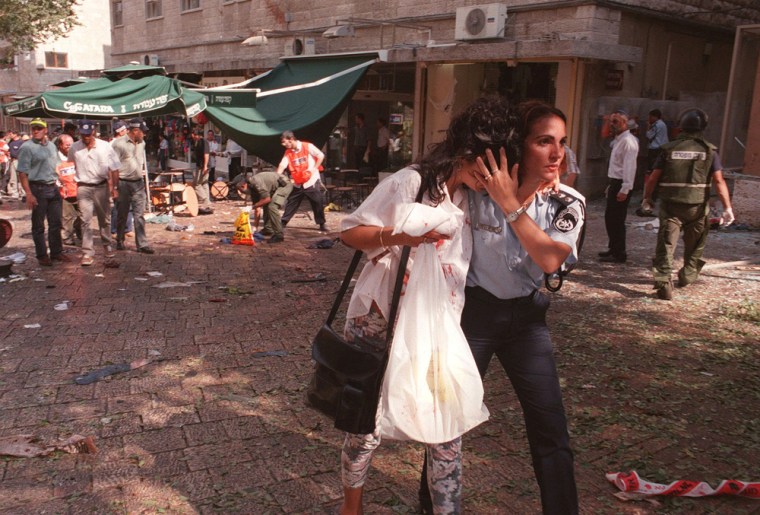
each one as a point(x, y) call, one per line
point(514, 215)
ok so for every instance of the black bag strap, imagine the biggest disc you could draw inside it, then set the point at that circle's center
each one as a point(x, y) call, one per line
point(396, 288)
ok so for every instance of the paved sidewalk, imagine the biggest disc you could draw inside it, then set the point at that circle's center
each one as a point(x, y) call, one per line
point(216, 422)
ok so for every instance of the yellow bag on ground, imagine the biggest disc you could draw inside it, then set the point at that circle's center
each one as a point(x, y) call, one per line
point(243, 233)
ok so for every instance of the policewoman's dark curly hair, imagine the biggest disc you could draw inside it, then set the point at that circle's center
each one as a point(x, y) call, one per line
point(488, 122)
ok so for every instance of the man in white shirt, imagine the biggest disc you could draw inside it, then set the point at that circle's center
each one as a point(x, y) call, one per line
point(621, 173)
point(97, 173)
point(213, 150)
point(235, 152)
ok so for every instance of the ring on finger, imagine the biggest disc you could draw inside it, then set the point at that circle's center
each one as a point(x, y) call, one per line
point(488, 177)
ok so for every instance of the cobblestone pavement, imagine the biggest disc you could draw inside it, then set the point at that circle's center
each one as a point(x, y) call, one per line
point(216, 421)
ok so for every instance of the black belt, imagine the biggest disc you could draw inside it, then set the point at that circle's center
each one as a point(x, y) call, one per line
point(482, 294)
point(130, 180)
point(92, 184)
point(41, 183)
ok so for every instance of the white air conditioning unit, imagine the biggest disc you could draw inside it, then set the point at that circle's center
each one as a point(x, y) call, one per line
point(150, 60)
point(300, 46)
point(480, 22)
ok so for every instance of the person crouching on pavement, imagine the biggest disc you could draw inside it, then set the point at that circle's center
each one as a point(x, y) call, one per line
point(37, 159)
point(269, 191)
point(304, 161)
point(131, 152)
point(683, 174)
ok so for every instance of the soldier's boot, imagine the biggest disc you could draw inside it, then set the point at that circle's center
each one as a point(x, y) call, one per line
point(664, 290)
point(686, 276)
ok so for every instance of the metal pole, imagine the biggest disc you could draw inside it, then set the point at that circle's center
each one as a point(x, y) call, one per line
point(729, 92)
point(146, 180)
point(667, 70)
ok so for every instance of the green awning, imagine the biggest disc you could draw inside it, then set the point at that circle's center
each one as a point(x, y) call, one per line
point(134, 70)
point(109, 97)
point(306, 96)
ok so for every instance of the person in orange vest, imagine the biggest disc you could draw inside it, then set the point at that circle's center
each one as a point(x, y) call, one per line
point(304, 162)
point(71, 227)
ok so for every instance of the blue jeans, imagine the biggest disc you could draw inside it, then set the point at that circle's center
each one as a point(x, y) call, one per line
point(115, 219)
point(515, 331)
point(49, 207)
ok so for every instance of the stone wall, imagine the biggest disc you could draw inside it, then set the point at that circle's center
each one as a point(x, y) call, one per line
point(746, 192)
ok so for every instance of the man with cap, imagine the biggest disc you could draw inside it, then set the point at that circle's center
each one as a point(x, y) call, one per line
point(37, 160)
point(97, 172)
point(119, 131)
point(130, 150)
point(683, 174)
point(621, 173)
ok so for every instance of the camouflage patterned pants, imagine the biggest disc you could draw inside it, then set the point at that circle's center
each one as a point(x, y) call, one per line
point(443, 461)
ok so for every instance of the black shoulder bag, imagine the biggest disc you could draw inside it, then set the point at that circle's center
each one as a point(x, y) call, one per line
point(348, 376)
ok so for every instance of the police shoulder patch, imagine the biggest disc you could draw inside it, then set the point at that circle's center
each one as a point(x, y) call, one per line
point(566, 220)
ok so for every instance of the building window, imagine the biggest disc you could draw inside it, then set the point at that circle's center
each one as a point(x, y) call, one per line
point(189, 5)
point(56, 60)
point(153, 9)
point(116, 12)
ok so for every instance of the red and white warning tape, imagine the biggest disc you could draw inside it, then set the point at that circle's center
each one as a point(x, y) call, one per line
point(632, 483)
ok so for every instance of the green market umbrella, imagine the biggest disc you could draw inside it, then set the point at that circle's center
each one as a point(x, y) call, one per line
point(110, 97)
point(306, 96)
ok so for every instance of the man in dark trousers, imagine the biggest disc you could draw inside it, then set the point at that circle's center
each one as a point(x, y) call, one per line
point(621, 173)
point(683, 175)
point(303, 160)
point(37, 162)
point(200, 151)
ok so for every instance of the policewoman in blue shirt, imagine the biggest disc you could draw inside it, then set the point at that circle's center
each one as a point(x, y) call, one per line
point(520, 234)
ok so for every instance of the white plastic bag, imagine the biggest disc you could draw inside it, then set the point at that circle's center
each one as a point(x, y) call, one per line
point(432, 391)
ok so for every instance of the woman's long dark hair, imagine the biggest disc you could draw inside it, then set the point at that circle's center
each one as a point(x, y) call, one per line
point(489, 122)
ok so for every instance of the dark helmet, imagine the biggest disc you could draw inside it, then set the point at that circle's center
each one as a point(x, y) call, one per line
point(692, 120)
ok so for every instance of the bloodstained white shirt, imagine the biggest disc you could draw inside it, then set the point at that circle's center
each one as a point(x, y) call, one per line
point(380, 209)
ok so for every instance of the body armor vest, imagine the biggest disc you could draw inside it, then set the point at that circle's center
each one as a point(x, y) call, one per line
point(686, 174)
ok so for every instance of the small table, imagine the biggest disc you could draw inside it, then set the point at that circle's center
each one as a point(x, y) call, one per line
point(173, 186)
point(346, 173)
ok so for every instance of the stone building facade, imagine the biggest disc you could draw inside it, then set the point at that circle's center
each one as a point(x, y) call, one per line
point(588, 57)
point(85, 51)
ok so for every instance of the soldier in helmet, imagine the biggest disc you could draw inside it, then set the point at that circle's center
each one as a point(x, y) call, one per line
point(683, 174)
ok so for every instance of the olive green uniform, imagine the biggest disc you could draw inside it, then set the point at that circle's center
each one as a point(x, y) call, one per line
point(275, 186)
point(687, 165)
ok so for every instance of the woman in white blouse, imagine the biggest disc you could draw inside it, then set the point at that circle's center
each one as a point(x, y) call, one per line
point(443, 174)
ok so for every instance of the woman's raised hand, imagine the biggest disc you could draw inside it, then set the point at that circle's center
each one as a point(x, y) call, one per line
point(500, 183)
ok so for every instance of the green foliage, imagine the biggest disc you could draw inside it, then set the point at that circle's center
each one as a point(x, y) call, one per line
point(24, 23)
point(747, 311)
